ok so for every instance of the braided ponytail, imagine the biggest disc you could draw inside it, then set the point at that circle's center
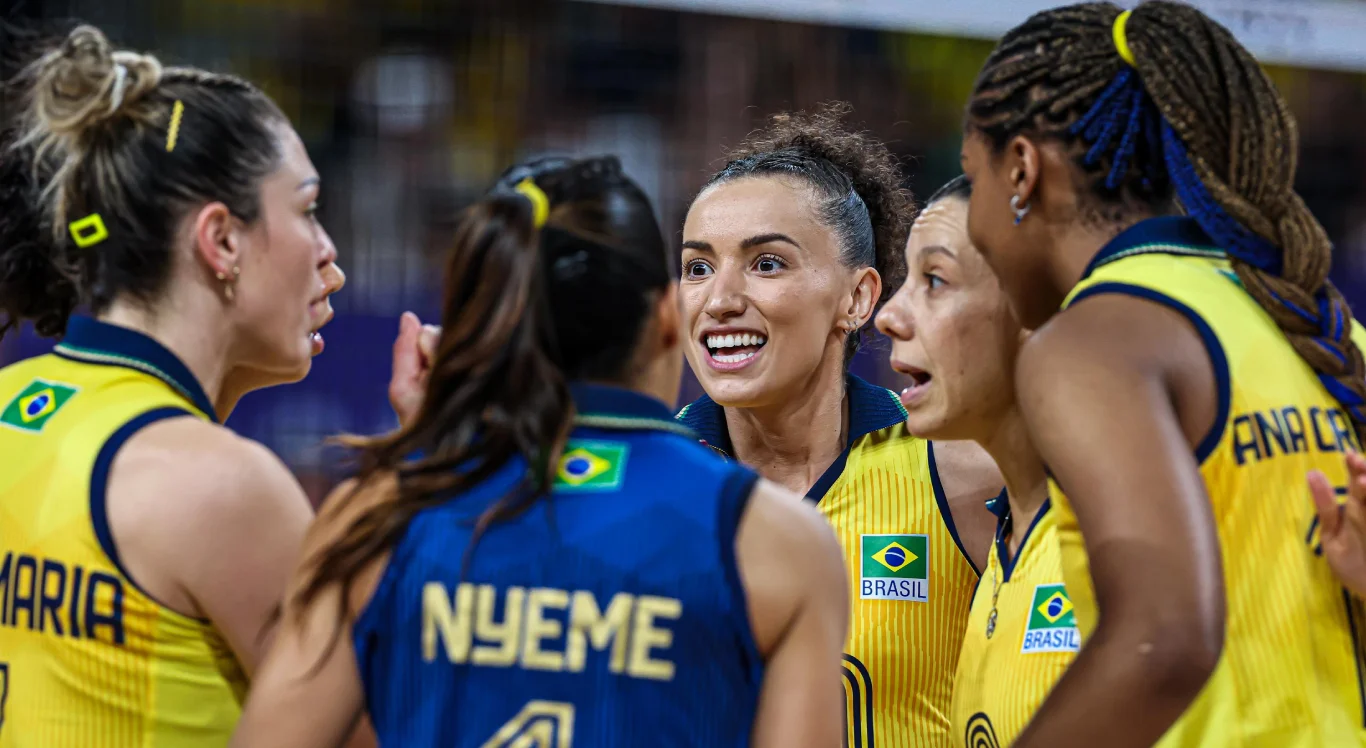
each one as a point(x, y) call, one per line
point(1195, 115)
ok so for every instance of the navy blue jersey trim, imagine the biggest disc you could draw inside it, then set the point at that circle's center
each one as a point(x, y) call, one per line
point(828, 478)
point(99, 487)
point(606, 407)
point(871, 408)
point(93, 342)
point(944, 511)
point(732, 502)
point(1218, 360)
point(1177, 235)
point(1003, 549)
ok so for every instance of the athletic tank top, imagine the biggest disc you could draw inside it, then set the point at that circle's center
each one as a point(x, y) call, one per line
point(910, 580)
point(610, 614)
point(87, 659)
point(1011, 660)
point(1291, 670)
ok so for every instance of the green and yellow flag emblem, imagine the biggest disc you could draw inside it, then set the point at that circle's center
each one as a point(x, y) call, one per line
point(35, 405)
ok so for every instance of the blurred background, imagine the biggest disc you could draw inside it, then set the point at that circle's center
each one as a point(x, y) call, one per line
point(411, 108)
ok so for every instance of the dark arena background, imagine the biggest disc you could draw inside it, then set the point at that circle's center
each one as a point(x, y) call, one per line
point(410, 108)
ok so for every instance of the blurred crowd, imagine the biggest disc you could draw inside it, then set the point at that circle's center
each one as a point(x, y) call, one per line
point(410, 108)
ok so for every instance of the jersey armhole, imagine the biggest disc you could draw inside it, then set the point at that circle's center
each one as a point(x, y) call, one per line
point(735, 494)
point(99, 499)
point(945, 513)
point(1218, 359)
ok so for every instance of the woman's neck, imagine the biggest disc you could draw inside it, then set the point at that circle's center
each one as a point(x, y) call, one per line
point(793, 442)
point(1078, 242)
point(1026, 480)
point(186, 334)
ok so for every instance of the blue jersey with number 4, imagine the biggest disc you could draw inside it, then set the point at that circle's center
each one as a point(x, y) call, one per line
point(610, 614)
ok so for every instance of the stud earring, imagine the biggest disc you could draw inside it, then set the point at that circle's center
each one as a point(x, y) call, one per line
point(1020, 210)
point(229, 282)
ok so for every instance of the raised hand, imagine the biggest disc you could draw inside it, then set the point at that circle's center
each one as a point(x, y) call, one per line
point(1342, 526)
point(414, 350)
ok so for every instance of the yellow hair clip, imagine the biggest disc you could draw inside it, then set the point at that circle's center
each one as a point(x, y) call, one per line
point(173, 130)
point(1122, 38)
point(88, 231)
point(540, 204)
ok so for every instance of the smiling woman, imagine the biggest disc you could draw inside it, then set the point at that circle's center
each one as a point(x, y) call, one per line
point(787, 254)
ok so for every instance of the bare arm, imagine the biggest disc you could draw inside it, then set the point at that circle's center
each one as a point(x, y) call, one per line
point(211, 524)
point(1100, 392)
point(308, 693)
point(793, 571)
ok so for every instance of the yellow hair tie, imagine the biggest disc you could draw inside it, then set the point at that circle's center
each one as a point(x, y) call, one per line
point(1122, 39)
point(540, 204)
point(173, 130)
point(88, 231)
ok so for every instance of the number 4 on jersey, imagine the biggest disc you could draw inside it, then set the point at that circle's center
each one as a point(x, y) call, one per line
point(540, 724)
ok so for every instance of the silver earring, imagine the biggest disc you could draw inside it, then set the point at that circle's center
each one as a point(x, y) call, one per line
point(1020, 211)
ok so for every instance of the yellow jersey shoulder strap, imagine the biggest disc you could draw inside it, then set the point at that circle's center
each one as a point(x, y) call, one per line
point(1172, 262)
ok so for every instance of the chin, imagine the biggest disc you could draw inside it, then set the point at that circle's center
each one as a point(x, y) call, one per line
point(933, 421)
point(734, 392)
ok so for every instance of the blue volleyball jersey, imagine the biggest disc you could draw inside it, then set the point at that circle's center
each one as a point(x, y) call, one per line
point(610, 614)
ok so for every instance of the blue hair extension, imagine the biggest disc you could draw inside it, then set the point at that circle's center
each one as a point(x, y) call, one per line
point(1127, 143)
point(1121, 121)
point(1245, 245)
point(1124, 122)
point(1102, 101)
point(1227, 233)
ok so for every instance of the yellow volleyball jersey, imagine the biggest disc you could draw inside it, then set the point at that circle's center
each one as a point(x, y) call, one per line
point(911, 582)
point(1292, 665)
point(1011, 660)
point(87, 659)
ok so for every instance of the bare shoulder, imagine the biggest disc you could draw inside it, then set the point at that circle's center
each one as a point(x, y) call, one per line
point(211, 471)
point(184, 497)
point(786, 517)
point(788, 556)
point(1107, 331)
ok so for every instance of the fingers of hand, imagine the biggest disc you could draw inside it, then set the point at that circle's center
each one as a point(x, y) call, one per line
point(1325, 502)
point(427, 341)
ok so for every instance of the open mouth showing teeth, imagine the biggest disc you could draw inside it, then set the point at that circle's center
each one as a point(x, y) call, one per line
point(734, 348)
point(919, 378)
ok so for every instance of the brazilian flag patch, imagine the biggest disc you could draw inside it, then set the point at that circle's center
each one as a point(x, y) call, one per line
point(1052, 622)
point(591, 466)
point(895, 567)
point(35, 405)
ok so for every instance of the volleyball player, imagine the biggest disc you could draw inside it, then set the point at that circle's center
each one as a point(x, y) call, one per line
point(787, 253)
point(543, 554)
point(1184, 374)
point(952, 328)
point(177, 206)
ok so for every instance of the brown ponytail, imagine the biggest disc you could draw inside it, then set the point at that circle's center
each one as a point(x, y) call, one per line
point(526, 311)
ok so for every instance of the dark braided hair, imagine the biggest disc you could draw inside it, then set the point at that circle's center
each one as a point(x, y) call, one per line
point(856, 178)
point(1197, 116)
